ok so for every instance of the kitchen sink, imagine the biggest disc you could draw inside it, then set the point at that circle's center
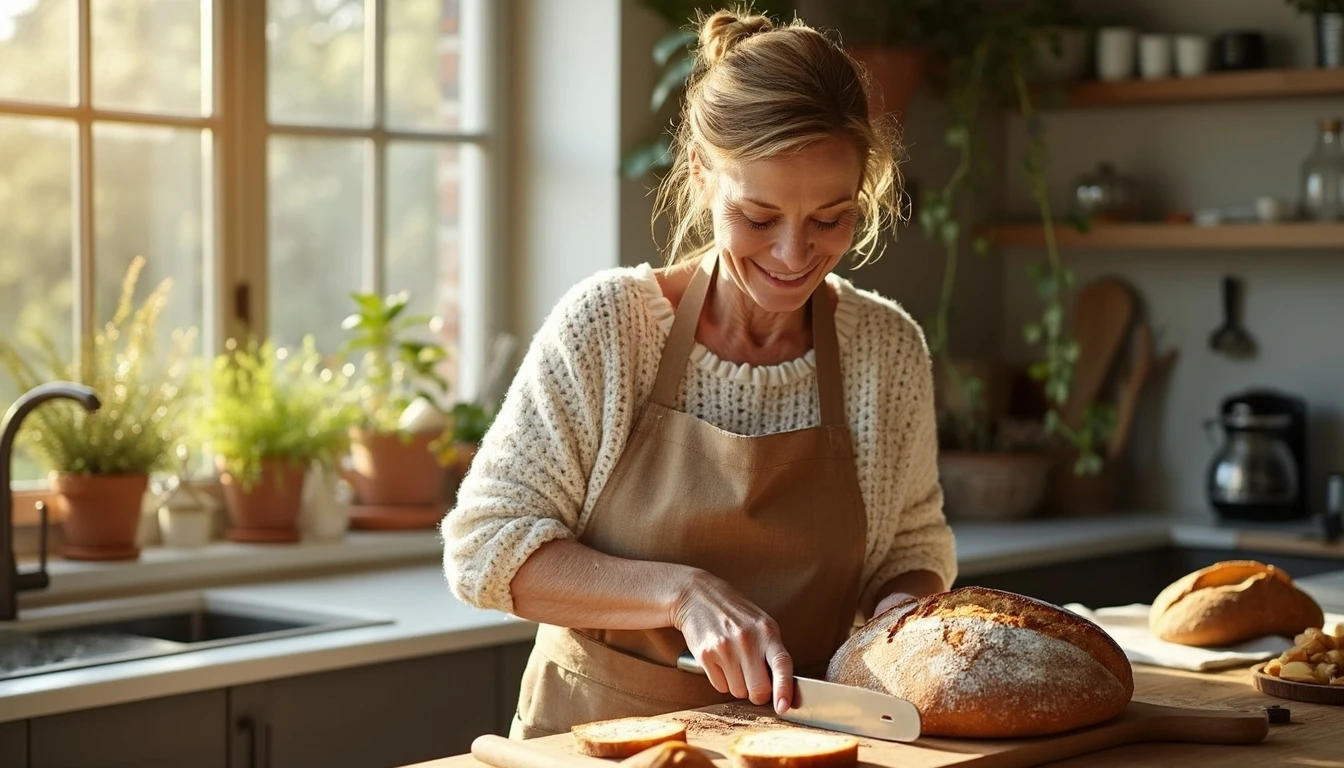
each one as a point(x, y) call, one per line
point(60, 638)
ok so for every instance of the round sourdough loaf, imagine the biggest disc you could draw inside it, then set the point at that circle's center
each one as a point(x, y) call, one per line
point(983, 663)
point(1231, 602)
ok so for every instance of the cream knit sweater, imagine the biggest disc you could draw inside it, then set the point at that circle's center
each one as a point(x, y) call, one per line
point(565, 419)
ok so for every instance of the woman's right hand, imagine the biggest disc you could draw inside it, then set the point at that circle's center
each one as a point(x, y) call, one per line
point(737, 643)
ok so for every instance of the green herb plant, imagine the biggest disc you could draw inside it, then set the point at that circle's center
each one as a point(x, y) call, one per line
point(991, 71)
point(275, 404)
point(467, 425)
point(144, 397)
point(394, 368)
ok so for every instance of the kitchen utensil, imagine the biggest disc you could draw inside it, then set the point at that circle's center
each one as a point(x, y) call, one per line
point(1192, 55)
point(714, 728)
point(1103, 311)
point(1287, 689)
point(841, 707)
point(1239, 49)
point(1155, 56)
point(1129, 398)
point(1230, 338)
point(1257, 474)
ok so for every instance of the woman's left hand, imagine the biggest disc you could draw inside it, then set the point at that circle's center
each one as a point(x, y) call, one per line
point(902, 599)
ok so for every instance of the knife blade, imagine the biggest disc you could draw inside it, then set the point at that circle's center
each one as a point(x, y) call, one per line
point(836, 707)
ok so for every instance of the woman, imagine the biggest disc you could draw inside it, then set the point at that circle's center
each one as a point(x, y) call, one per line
point(734, 454)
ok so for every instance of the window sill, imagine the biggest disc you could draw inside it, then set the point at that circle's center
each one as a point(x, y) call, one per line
point(223, 562)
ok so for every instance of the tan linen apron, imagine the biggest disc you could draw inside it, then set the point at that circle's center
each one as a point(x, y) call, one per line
point(778, 516)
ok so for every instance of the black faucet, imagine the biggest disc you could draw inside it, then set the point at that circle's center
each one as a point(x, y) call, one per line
point(11, 581)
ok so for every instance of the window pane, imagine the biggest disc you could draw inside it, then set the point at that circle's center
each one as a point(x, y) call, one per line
point(147, 55)
point(36, 215)
point(150, 199)
point(316, 200)
point(424, 64)
point(316, 62)
point(423, 240)
point(36, 52)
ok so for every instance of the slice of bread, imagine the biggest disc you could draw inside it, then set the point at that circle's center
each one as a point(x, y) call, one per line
point(626, 736)
point(793, 748)
point(669, 754)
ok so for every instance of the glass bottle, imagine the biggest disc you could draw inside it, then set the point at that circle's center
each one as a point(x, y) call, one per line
point(1323, 176)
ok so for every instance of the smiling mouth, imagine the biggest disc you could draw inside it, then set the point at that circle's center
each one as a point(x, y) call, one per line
point(783, 279)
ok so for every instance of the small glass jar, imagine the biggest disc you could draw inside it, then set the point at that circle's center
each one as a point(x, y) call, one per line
point(1323, 176)
point(1104, 195)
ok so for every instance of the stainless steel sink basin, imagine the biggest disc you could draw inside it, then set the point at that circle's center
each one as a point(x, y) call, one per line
point(69, 637)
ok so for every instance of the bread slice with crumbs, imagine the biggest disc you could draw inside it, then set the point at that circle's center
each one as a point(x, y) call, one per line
point(793, 748)
point(626, 736)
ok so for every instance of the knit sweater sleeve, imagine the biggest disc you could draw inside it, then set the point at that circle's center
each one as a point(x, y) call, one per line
point(528, 481)
point(916, 533)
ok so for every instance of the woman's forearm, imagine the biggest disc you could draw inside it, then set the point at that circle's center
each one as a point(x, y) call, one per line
point(568, 584)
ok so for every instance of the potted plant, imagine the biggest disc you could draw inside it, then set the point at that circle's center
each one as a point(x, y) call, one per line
point(100, 463)
point(894, 40)
point(456, 446)
point(273, 413)
point(1329, 25)
point(399, 387)
point(991, 467)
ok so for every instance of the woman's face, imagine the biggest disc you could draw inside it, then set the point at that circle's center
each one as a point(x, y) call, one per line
point(782, 224)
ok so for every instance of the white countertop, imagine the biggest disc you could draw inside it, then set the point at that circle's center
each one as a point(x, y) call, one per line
point(427, 620)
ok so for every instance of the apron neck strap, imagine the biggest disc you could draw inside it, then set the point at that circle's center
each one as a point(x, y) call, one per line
point(681, 339)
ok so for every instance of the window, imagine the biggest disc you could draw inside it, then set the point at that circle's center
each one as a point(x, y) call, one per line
point(270, 156)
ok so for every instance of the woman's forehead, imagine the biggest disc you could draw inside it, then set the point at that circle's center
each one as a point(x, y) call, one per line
point(822, 173)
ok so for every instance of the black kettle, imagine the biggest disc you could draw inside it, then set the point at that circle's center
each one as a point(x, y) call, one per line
point(1258, 472)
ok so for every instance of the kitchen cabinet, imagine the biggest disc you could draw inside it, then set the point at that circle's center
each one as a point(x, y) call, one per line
point(14, 743)
point(380, 715)
point(387, 714)
point(170, 732)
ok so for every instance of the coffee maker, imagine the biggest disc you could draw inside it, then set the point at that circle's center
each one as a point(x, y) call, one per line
point(1260, 471)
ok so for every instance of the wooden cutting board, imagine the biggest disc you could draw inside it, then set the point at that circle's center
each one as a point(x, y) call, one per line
point(714, 728)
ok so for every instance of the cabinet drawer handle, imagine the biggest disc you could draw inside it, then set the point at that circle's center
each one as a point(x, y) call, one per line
point(249, 728)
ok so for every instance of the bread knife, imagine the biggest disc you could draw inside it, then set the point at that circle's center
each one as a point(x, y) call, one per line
point(836, 707)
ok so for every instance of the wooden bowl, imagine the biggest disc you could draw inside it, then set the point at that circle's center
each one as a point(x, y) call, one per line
point(1312, 693)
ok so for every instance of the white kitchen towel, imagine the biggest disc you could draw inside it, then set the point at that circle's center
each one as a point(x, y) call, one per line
point(1128, 626)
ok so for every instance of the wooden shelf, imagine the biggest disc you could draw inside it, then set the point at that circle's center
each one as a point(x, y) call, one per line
point(1303, 235)
point(1215, 86)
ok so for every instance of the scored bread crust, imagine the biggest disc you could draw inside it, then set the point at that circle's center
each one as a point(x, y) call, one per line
point(793, 748)
point(983, 663)
point(1230, 602)
point(625, 736)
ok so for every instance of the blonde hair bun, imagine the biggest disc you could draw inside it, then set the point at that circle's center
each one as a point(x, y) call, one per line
point(722, 32)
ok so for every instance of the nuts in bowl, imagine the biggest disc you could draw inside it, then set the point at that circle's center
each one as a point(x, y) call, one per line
point(1316, 657)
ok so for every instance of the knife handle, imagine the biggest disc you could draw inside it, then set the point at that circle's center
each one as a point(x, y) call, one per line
point(687, 662)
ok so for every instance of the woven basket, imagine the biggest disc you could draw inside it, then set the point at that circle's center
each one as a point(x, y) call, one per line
point(993, 486)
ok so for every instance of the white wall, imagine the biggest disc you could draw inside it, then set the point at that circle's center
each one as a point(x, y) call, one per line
point(562, 219)
point(1195, 156)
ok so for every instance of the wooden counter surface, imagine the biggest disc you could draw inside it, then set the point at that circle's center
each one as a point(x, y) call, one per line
point(1315, 737)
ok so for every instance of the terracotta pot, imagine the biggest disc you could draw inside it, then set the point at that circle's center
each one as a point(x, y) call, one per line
point(994, 486)
point(395, 470)
point(269, 510)
point(465, 453)
point(896, 73)
point(102, 514)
